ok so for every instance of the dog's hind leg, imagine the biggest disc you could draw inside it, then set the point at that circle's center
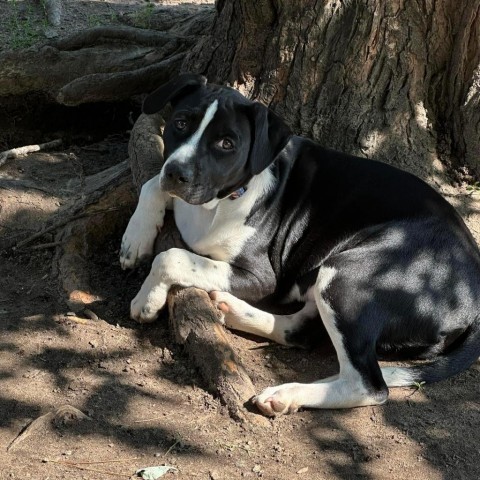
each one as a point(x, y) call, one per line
point(283, 329)
point(359, 382)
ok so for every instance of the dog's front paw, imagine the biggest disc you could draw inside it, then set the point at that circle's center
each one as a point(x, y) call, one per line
point(149, 301)
point(275, 401)
point(138, 241)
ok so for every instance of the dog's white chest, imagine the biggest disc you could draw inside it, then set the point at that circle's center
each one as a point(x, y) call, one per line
point(219, 233)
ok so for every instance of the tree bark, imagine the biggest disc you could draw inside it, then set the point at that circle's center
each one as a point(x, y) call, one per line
point(397, 81)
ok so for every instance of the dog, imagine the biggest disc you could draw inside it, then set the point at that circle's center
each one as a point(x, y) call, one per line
point(373, 252)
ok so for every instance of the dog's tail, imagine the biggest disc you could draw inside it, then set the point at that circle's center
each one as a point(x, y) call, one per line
point(458, 359)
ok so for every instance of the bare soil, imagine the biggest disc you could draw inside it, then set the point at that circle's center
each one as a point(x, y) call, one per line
point(145, 402)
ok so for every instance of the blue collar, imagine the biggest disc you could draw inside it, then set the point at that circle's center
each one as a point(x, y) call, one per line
point(238, 193)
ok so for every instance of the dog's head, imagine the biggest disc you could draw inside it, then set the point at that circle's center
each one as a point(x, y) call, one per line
point(215, 141)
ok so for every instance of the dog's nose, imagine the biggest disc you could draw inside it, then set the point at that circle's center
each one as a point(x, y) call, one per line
point(178, 173)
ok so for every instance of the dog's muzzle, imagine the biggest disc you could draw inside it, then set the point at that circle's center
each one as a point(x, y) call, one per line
point(179, 181)
point(177, 175)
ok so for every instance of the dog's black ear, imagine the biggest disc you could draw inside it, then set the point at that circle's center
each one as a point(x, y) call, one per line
point(171, 90)
point(270, 135)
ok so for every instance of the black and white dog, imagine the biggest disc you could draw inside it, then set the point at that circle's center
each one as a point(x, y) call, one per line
point(384, 260)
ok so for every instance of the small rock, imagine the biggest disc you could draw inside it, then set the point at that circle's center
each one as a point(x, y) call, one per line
point(166, 356)
point(50, 32)
point(90, 314)
point(93, 344)
point(302, 470)
point(256, 469)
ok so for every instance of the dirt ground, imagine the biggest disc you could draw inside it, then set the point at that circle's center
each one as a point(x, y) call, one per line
point(144, 403)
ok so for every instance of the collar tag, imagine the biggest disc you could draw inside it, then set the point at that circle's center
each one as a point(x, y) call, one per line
point(238, 193)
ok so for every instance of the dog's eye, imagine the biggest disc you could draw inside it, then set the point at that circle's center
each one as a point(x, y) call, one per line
point(180, 124)
point(225, 144)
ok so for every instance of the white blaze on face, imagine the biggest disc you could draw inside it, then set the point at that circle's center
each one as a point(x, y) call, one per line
point(186, 151)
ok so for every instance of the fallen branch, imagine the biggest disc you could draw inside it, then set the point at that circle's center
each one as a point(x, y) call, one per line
point(194, 324)
point(55, 226)
point(102, 461)
point(19, 151)
point(42, 246)
point(95, 187)
point(81, 467)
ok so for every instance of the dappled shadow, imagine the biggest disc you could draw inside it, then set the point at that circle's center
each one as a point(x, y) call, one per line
point(92, 380)
point(445, 422)
point(13, 410)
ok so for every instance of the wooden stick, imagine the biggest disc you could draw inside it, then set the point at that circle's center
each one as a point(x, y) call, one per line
point(57, 225)
point(42, 246)
point(100, 461)
point(17, 152)
point(79, 467)
point(194, 324)
point(149, 420)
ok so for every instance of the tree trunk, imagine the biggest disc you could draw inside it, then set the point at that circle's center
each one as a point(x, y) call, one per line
point(397, 81)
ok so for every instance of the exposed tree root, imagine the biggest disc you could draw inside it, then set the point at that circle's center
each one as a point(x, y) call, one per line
point(104, 63)
point(104, 87)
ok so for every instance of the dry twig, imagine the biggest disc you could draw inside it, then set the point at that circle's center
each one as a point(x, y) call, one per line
point(19, 151)
point(80, 467)
point(62, 222)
